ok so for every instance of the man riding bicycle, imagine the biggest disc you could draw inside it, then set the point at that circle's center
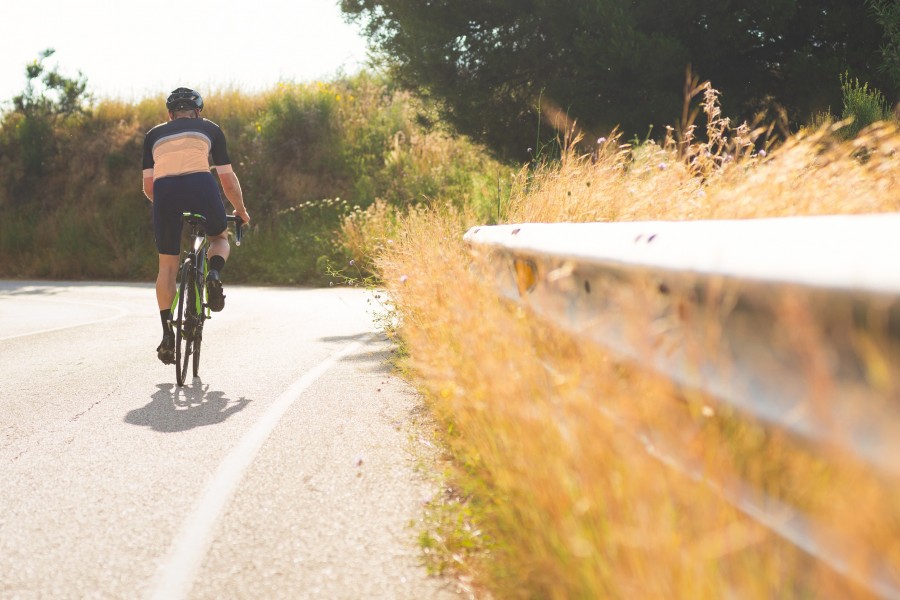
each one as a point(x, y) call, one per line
point(177, 179)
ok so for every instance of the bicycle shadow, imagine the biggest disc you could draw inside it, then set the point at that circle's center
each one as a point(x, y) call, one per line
point(173, 409)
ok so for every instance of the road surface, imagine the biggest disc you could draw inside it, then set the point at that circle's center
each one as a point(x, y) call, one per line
point(290, 469)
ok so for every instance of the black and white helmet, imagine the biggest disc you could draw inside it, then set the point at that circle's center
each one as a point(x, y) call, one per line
point(184, 99)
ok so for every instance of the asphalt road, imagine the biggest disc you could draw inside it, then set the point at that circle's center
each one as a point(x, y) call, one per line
point(292, 468)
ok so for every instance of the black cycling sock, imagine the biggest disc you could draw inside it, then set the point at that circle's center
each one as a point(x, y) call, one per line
point(165, 316)
point(216, 263)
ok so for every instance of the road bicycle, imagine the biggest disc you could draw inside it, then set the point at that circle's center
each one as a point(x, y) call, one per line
point(189, 309)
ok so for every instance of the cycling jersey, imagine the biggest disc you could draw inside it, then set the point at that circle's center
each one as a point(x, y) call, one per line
point(177, 156)
point(184, 146)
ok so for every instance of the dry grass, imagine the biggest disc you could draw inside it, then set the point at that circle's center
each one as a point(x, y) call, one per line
point(552, 495)
point(811, 174)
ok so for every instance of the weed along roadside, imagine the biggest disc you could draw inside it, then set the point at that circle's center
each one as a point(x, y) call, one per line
point(557, 488)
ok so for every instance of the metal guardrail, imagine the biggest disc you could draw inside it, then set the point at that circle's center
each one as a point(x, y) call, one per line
point(793, 322)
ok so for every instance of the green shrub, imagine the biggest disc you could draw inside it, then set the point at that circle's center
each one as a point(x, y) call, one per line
point(864, 105)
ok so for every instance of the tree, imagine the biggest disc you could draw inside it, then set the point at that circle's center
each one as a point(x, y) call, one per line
point(48, 99)
point(888, 14)
point(48, 92)
point(495, 65)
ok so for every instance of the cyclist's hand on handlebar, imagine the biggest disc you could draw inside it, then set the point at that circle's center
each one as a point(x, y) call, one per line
point(243, 214)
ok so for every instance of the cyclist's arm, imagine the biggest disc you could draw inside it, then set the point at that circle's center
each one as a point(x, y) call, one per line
point(232, 188)
point(148, 184)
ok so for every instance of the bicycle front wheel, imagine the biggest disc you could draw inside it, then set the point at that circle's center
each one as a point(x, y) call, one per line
point(197, 357)
point(185, 324)
point(200, 303)
point(198, 338)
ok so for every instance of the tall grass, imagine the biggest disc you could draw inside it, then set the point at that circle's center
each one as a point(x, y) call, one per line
point(548, 496)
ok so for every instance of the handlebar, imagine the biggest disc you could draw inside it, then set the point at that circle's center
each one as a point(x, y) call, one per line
point(238, 228)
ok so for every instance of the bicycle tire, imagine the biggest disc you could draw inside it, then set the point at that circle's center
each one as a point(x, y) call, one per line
point(198, 334)
point(196, 353)
point(183, 335)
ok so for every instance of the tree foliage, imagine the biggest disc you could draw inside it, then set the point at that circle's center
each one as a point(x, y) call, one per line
point(49, 92)
point(496, 65)
point(48, 100)
point(887, 12)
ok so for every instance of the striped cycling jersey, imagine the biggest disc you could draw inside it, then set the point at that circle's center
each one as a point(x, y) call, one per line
point(184, 146)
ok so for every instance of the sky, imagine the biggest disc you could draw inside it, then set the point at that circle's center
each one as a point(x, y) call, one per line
point(131, 50)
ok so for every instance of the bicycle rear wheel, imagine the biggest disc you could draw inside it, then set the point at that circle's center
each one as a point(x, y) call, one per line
point(184, 330)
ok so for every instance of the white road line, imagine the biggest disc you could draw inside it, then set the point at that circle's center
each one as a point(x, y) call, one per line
point(121, 313)
point(176, 575)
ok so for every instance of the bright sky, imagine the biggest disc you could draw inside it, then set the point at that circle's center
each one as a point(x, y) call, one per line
point(130, 49)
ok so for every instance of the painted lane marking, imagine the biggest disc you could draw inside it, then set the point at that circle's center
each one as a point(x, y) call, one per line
point(121, 313)
point(176, 575)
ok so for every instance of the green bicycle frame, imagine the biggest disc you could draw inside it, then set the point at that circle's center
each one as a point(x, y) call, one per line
point(197, 253)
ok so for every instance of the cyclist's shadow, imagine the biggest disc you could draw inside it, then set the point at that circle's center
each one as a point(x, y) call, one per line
point(174, 409)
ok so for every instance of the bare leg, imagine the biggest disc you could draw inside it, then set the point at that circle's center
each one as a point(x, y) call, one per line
point(218, 246)
point(165, 281)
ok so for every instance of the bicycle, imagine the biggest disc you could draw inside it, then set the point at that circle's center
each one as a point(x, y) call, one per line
point(189, 307)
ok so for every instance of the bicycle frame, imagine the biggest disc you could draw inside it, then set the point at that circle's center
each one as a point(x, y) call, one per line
point(197, 256)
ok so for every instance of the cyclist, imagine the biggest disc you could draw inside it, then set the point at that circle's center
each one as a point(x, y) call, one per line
point(177, 179)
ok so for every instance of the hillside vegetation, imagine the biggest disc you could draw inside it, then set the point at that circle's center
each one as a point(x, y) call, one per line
point(307, 155)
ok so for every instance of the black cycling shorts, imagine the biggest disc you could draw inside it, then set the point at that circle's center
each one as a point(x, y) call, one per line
point(196, 193)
